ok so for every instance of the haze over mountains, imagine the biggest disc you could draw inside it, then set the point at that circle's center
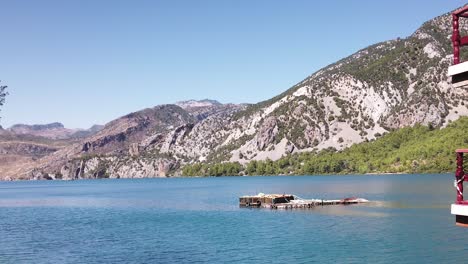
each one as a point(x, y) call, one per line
point(383, 87)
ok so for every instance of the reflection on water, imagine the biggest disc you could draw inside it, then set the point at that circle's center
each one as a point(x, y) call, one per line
point(199, 220)
point(70, 202)
point(348, 211)
point(392, 204)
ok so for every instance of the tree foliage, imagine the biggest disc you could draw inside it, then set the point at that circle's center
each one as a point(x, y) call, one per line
point(213, 169)
point(3, 94)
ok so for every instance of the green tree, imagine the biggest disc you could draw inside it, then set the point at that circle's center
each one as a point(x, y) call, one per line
point(3, 94)
point(252, 167)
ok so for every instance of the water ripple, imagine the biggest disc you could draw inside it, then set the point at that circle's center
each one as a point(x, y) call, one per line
point(199, 221)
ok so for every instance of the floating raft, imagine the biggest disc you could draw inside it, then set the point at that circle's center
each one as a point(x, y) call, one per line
point(289, 201)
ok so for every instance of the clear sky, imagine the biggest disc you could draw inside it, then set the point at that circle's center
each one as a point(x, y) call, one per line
point(88, 62)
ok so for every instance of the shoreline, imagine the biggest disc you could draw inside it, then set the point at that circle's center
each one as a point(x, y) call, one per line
point(275, 175)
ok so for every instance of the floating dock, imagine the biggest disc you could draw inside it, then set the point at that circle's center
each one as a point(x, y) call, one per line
point(289, 201)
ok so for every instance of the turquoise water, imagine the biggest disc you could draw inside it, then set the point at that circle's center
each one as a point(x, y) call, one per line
point(198, 220)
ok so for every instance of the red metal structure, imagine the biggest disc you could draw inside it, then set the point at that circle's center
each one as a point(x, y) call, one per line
point(460, 176)
point(458, 40)
point(460, 208)
point(459, 73)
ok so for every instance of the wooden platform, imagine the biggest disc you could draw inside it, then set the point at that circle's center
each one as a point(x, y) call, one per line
point(289, 201)
point(262, 199)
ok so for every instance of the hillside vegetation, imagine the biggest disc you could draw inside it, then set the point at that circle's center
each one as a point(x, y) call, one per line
point(420, 149)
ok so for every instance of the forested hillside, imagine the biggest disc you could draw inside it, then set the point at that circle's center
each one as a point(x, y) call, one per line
point(411, 149)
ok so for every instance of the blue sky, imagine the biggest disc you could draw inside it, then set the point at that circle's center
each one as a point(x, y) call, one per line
point(88, 62)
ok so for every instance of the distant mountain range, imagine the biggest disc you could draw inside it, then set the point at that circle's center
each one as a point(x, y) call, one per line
point(53, 131)
point(384, 87)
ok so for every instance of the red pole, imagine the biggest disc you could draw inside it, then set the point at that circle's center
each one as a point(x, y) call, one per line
point(459, 176)
point(455, 40)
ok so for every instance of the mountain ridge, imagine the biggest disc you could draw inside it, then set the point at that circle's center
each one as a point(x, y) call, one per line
point(384, 87)
point(55, 130)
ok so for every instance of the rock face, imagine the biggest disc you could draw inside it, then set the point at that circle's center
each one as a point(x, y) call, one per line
point(112, 167)
point(386, 86)
point(267, 133)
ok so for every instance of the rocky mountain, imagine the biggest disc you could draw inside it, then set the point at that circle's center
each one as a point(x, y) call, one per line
point(203, 108)
point(198, 104)
point(18, 151)
point(53, 131)
point(81, 133)
point(383, 87)
point(136, 145)
point(386, 86)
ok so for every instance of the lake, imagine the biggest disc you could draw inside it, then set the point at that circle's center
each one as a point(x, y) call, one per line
point(190, 220)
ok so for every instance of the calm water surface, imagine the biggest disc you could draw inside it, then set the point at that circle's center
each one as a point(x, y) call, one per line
point(198, 220)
